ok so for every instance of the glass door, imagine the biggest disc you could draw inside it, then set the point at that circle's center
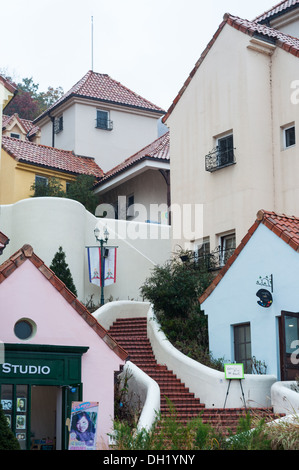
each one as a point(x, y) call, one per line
point(290, 345)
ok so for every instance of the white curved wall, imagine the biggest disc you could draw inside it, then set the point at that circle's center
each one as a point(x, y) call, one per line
point(47, 223)
point(208, 384)
point(284, 399)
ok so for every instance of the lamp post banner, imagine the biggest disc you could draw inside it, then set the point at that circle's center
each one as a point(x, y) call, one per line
point(94, 265)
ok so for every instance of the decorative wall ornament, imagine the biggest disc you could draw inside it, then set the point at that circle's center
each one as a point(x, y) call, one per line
point(266, 281)
point(265, 297)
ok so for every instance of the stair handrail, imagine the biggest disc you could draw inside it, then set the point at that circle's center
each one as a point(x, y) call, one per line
point(207, 384)
point(147, 391)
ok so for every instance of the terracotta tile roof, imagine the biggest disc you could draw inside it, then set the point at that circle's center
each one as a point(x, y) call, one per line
point(277, 10)
point(156, 151)
point(28, 126)
point(12, 87)
point(27, 253)
point(101, 87)
point(285, 227)
point(284, 41)
point(49, 157)
point(4, 240)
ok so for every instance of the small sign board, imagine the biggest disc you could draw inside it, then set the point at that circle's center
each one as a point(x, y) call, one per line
point(234, 371)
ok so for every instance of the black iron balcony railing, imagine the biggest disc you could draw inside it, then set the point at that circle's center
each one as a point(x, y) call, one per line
point(104, 124)
point(216, 259)
point(219, 158)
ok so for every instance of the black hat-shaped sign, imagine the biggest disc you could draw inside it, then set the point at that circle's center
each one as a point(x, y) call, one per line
point(265, 297)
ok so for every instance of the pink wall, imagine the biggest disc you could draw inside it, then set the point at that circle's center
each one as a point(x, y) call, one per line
point(27, 293)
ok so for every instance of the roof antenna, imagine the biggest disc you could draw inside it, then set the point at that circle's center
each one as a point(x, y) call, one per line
point(92, 43)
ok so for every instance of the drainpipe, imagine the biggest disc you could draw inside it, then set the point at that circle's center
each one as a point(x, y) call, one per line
point(53, 131)
point(166, 176)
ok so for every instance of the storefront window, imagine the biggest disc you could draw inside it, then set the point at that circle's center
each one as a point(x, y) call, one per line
point(7, 402)
point(22, 405)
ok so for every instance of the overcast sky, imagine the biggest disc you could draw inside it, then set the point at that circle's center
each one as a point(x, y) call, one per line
point(150, 46)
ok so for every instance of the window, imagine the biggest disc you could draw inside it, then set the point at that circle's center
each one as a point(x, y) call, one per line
point(130, 207)
point(222, 155)
point(24, 329)
point(225, 147)
point(227, 247)
point(242, 346)
point(289, 137)
point(58, 124)
point(202, 253)
point(41, 180)
point(102, 121)
point(14, 135)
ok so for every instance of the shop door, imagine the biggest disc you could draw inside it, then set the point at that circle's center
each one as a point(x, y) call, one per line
point(289, 345)
point(69, 394)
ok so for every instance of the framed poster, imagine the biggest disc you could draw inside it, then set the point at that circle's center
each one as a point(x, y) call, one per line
point(21, 404)
point(83, 426)
point(234, 371)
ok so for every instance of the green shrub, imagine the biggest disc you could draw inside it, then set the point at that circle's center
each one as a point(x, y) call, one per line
point(174, 289)
point(8, 441)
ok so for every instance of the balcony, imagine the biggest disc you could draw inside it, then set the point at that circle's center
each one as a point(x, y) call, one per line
point(216, 259)
point(219, 158)
point(105, 124)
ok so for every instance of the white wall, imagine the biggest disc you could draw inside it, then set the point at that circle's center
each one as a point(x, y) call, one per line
point(47, 223)
point(234, 299)
point(150, 193)
point(132, 130)
point(252, 99)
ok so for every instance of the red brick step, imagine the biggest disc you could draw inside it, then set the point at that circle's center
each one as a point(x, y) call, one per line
point(131, 334)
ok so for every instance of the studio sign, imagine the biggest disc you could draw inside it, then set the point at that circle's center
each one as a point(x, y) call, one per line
point(8, 368)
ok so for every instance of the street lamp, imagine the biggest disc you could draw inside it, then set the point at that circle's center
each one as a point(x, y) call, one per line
point(102, 241)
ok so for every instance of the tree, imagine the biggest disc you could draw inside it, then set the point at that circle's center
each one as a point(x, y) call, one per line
point(82, 191)
point(60, 267)
point(8, 441)
point(24, 105)
point(50, 187)
point(174, 289)
point(29, 101)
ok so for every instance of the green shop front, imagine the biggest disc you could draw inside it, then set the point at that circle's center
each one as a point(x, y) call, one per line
point(37, 386)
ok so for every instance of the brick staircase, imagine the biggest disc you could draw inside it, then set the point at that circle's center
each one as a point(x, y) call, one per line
point(131, 334)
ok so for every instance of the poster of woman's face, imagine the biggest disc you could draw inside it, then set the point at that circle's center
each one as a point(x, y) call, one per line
point(21, 404)
point(21, 422)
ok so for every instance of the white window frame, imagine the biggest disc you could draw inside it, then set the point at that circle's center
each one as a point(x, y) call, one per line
point(222, 244)
point(285, 129)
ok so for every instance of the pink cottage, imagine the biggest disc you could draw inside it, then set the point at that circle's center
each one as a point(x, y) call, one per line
point(53, 353)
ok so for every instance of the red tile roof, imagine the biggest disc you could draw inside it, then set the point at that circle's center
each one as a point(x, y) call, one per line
point(285, 227)
point(27, 253)
point(156, 151)
point(277, 10)
point(8, 84)
point(4, 240)
point(49, 157)
point(28, 126)
point(101, 87)
point(252, 28)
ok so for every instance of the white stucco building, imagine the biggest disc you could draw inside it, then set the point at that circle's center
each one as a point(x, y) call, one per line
point(139, 187)
point(252, 304)
point(233, 128)
point(101, 118)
